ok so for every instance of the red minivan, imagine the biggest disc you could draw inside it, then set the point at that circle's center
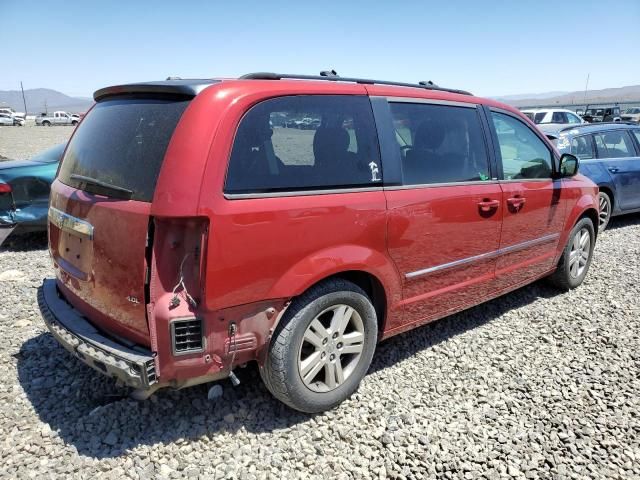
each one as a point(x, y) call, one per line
point(295, 221)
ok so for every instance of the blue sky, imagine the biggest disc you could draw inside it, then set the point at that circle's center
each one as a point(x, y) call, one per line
point(488, 47)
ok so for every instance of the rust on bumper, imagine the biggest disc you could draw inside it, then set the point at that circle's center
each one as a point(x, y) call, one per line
point(131, 364)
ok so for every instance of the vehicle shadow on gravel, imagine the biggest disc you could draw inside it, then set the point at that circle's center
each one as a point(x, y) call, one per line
point(25, 242)
point(623, 221)
point(88, 411)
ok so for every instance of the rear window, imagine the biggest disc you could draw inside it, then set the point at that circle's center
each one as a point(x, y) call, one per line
point(305, 142)
point(121, 143)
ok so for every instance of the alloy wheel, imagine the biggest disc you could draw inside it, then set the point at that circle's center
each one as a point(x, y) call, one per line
point(605, 212)
point(579, 254)
point(331, 348)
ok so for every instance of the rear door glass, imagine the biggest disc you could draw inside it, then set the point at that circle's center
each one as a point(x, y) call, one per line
point(439, 144)
point(582, 147)
point(305, 142)
point(614, 144)
point(122, 143)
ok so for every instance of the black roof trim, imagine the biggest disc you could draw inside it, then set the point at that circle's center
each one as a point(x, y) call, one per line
point(336, 78)
point(186, 88)
point(596, 124)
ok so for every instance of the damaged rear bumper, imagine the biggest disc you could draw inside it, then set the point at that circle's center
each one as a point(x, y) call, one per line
point(134, 366)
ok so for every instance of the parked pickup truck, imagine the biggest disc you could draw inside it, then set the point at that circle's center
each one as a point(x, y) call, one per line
point(58, 118)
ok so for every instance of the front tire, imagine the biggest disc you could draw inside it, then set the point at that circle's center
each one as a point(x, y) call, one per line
point(576, 257)
point(322, 348)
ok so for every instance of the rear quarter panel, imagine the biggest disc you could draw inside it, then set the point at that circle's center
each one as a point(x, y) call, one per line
point(271, 248)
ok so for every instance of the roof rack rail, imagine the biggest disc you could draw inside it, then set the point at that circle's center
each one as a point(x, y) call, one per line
point(332, 76)
point(595, 124)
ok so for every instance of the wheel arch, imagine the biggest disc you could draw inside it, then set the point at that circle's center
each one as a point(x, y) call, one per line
point(591, 214)
point(373, 288)
point(371, 270)
point(585, 206)
point(609, 190)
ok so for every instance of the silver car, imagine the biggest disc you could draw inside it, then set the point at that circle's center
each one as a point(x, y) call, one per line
point(552, 120)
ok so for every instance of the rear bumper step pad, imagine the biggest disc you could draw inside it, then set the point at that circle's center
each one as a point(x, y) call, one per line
point(134, 367)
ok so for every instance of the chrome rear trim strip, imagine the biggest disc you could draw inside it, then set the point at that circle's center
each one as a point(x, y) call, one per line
point(70, 224)
point(483, 256)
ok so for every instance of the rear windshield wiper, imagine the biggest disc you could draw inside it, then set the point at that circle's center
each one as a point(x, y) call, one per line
point(101, 187)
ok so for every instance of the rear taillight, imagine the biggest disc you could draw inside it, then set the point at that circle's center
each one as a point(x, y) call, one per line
point(5, 188)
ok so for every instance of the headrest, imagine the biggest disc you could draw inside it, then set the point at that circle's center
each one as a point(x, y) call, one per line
point(612, 138)
point(328, 141)
point(429, 135)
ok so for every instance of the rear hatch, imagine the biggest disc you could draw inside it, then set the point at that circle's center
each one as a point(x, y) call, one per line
point(99, 215)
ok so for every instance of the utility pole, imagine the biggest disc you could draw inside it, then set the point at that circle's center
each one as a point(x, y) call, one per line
point(24, 102)
point(585, 91)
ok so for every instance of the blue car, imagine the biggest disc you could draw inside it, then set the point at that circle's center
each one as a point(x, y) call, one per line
point(24, 192)
point(609, 155)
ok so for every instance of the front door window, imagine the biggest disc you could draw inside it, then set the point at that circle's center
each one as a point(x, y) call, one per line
point(524, 155)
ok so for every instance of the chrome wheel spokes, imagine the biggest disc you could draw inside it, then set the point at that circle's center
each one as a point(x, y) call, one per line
point(331, 348)
point(605, 211)
point(579, 254)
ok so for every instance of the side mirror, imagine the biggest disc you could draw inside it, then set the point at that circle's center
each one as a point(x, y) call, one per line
point(568, 165)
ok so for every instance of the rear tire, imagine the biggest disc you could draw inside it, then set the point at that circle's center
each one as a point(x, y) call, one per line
point(322, 348)
point(605, 207)
point(46, 124)
point(576, 257)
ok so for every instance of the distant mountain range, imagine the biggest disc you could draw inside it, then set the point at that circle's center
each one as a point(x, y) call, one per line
point(42, 99)
point(39, 99)
point(607, 95)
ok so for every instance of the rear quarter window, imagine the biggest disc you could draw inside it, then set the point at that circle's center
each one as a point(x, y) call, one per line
point(306, 142)
point(122, 143)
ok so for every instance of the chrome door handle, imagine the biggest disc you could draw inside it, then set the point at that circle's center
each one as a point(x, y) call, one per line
point(516, 202)
point(613, 169)
point(487, 205)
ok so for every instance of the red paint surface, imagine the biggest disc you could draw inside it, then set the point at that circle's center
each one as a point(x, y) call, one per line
point(255, 255)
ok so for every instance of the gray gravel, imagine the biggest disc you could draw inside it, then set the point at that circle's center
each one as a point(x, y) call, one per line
point(532, 385)
point(535, 384)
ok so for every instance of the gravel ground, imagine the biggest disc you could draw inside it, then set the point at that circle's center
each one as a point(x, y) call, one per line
point(18, 143)
point(535, 384)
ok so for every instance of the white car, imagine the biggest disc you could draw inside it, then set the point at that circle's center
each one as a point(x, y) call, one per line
point(11, 112)
point(552, 120)
point(6, 119)
point(631, 115)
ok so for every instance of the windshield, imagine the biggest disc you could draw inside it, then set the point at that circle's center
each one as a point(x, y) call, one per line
point(632, 110)
point(121, 143)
